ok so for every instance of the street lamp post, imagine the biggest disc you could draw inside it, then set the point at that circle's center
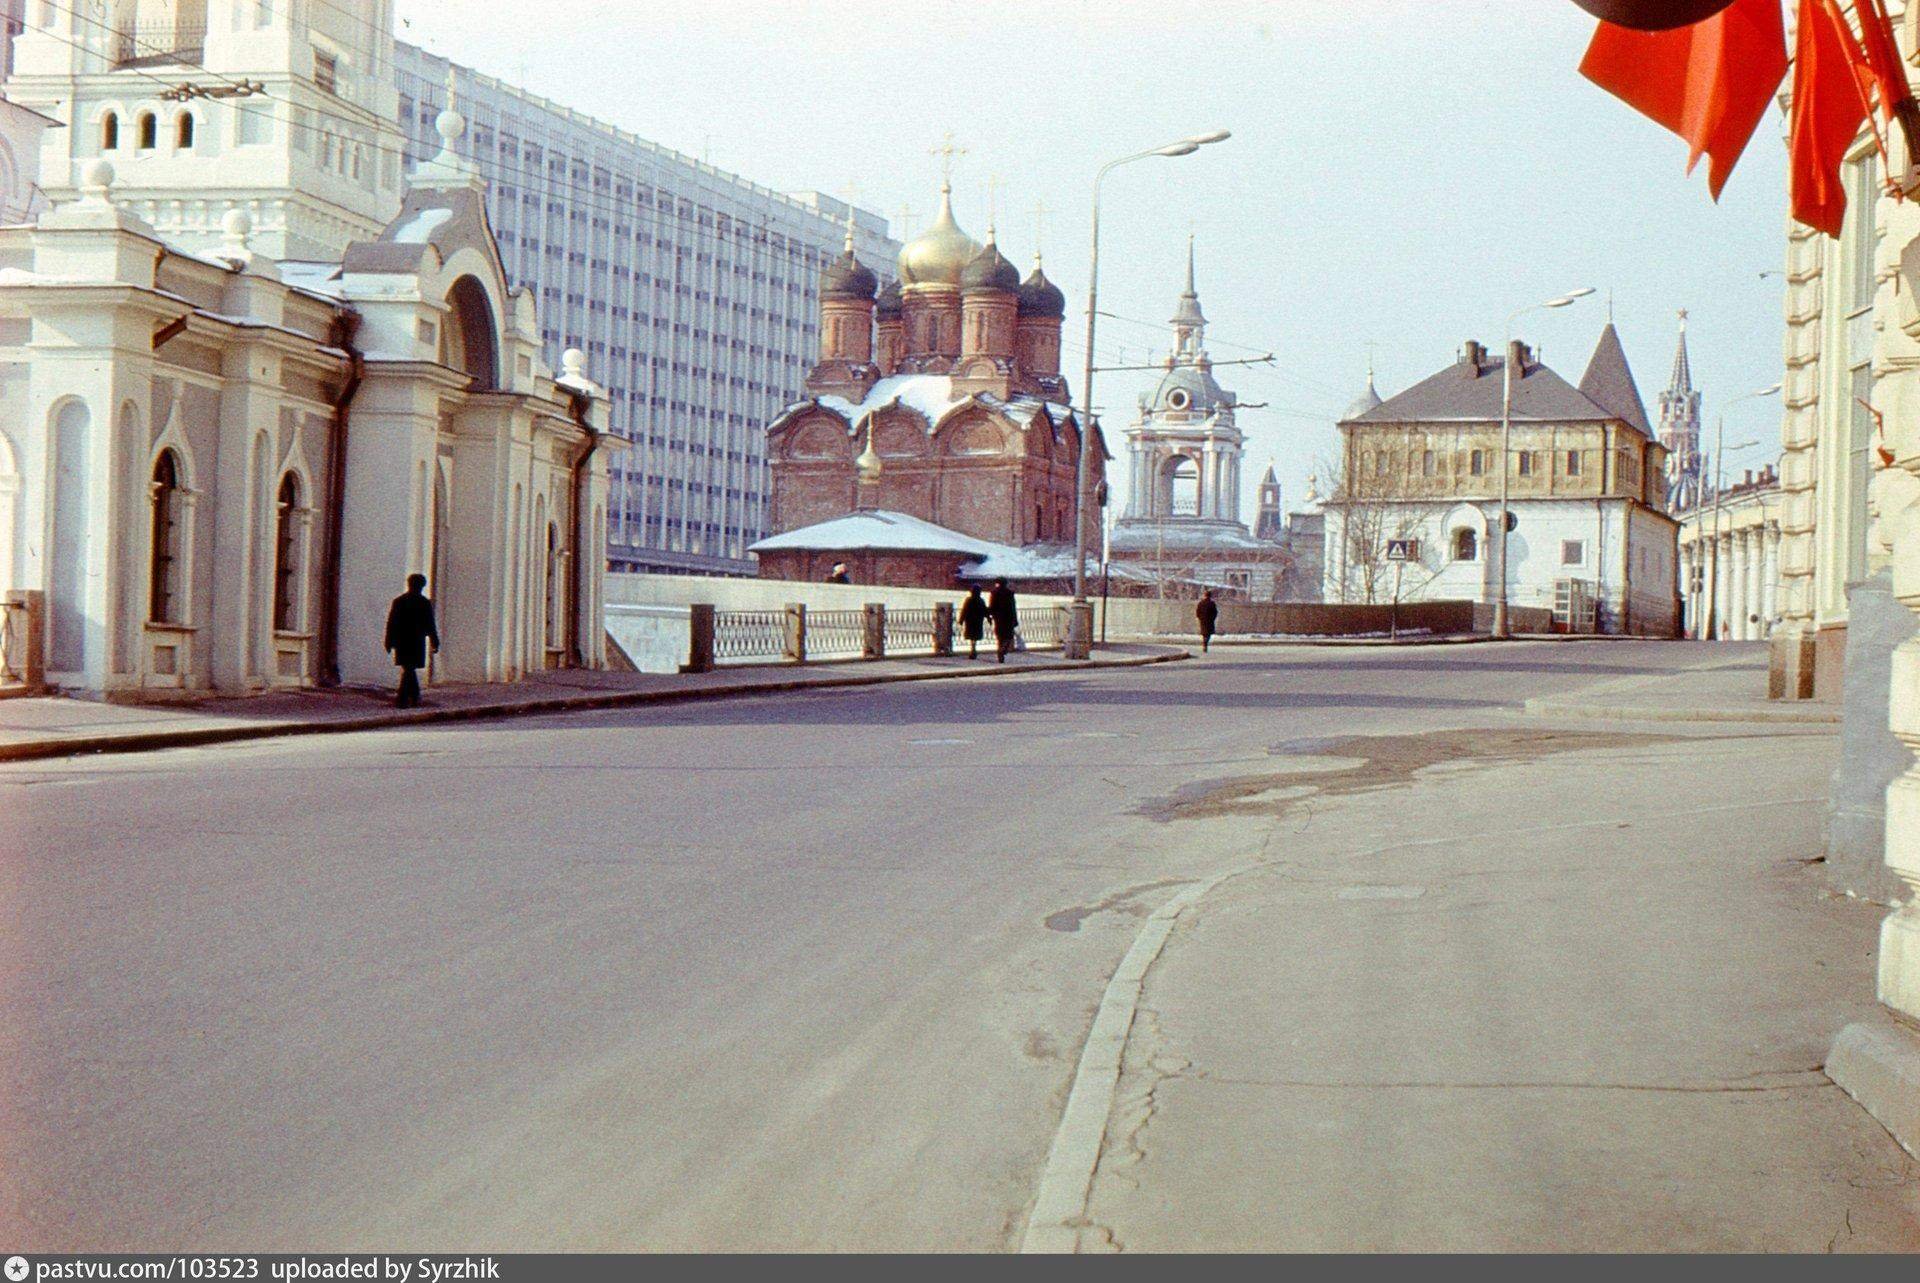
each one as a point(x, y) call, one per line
point(1719, 486)
point(1500, 628)
point(1079, 642)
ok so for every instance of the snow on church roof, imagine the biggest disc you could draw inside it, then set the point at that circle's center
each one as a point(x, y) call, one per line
point(932, 397)
point(879, 530)
point(876, 530)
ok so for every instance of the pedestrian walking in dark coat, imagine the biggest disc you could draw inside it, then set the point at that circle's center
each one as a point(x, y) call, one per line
point(410, 628)
point(1208, 613)
point(1005, 615)
point(973, 621)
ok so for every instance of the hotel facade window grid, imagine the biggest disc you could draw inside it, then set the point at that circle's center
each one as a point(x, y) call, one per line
point(695, 292)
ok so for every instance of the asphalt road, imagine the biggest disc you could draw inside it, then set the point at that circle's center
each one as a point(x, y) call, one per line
point(795, 971)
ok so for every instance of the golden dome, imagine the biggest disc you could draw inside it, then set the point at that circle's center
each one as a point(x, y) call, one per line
point(938, 255)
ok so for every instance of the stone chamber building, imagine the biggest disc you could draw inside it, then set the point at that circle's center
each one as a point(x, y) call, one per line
point(938, 404)
point(219, 464)
point(1181, 528)
point(1592, 540)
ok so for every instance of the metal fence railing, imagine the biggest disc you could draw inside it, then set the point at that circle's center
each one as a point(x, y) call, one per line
point(795, 634)
point(749, 635)
point(919, 632)
point(1045, 627)
point(836, 634)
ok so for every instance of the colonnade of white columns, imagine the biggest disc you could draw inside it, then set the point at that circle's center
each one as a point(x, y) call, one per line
point(1736, 575)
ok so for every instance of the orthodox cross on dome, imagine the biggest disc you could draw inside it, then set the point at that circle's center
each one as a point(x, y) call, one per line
point(1040, 212)
point(905, 215)
point(946, 151)
point(993, 192)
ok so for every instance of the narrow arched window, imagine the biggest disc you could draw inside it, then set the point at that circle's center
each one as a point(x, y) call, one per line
point(1466, 544)
point(183, 131)
point(286, 554)
point(110, 131)
point(149, 131)
point(553, 586)
point(162, 576)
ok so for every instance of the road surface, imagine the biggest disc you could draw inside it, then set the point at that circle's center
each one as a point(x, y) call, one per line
point(803, 971)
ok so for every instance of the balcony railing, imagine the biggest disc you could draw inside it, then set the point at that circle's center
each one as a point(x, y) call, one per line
point(153, 44)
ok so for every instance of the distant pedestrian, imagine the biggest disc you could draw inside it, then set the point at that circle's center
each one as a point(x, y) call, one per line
point(973, 620)
point(1005, 614)
point(839, 574)
point(1208, 613)
point(410, 628)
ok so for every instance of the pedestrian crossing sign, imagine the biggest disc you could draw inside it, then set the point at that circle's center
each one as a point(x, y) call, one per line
point(1403, 550)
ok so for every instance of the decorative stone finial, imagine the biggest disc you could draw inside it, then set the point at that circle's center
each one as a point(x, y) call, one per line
point(96, 181)
point(573, 364)
point(450, 124)
point(235, 226)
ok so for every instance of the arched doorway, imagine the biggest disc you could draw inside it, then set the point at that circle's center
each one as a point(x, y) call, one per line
point(472, 341)
point(1180, 487)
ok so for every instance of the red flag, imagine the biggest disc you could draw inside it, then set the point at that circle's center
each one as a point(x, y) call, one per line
point(1882, 56)
point(1709, 82)
point(1829, 106)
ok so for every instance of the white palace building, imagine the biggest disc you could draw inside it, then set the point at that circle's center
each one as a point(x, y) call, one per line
point(222, 449)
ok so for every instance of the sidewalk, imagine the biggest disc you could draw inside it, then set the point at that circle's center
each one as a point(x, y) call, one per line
point(1569, 991)
point(35, 727)
point(1729, 688)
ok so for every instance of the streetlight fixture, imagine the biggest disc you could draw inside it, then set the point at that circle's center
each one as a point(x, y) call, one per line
point(1079, 641)
point(1500, 628)
point(1719, 486)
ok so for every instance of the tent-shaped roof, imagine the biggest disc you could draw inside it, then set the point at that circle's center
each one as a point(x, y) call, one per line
point(1609, 383)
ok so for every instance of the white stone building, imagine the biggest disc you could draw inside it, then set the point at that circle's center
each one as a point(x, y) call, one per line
point(1730, 561)
point(1850, 576)
point(1182, 523)
point(693, 291)
point(216, 468)
point(1592, 541)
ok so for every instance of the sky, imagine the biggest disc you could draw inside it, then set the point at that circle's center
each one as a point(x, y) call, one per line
point(1402, 175)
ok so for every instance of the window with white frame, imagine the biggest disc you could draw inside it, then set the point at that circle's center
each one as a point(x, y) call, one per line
point(1573, 552)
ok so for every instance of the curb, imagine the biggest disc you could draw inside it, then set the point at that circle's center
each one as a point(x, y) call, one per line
point(1458, 639)
point(1626, 713)
point(146, 741)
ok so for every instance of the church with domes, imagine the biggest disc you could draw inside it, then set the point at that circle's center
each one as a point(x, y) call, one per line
point(937, 397)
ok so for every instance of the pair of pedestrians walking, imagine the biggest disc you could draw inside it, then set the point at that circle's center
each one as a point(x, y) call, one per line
point(1000, 608)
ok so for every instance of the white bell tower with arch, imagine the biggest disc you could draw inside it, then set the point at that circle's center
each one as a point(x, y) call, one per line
point(1184, 451)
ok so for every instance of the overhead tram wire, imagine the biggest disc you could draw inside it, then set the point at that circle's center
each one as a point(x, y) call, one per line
point(1242, 347)
point(588, 198)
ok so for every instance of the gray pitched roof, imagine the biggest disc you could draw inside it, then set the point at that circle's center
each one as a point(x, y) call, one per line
point(1460, 392)
point(1609, 383)
point(1463, 392)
